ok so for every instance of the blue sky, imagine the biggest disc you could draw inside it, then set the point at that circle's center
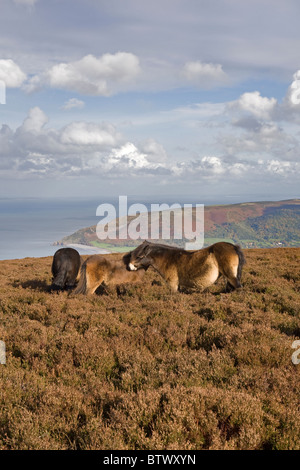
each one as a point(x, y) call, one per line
point(184, 98)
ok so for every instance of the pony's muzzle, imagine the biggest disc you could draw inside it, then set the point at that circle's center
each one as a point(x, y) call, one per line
point(132, 267)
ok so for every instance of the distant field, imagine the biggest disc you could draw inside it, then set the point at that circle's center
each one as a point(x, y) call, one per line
point(211, 241)
point(147, 369)
point(110, 247)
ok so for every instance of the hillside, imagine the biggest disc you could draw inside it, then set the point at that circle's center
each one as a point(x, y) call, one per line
point(252, 225)
point(147, 369)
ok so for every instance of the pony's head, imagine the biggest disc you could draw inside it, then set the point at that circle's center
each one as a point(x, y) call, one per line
point(139, 258)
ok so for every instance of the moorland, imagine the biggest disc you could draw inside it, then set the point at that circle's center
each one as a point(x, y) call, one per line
point(139, 367)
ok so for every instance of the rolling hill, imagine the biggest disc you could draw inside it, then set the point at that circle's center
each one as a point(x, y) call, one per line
point(252, 225)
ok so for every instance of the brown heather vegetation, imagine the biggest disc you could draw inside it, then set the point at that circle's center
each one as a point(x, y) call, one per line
point(142, 368)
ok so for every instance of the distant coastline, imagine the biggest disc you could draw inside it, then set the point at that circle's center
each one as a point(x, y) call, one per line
point(266, 224)
point(30, 227)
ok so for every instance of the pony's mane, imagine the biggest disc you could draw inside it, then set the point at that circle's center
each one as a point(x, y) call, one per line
point(163, 246)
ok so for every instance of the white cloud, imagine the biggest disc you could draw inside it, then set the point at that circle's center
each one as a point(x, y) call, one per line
point(254, 103)
point(11, 74)
point(212, 163)
point(205, 75)
point(263, 126)
point(73, 103)
point(35, 121)
point(292, 98)
point(83, 133)
point(251, 147)
point(207, 167)
point(155, 152)
point(280, 168)
point(215, 168)
point(79, 148)
point(95, 76)
point(128, 154)
point(268, 140)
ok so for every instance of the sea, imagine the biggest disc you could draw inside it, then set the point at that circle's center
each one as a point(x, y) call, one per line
point(29, 227)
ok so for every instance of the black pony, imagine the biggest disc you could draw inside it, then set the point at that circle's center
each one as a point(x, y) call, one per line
point(65, 268)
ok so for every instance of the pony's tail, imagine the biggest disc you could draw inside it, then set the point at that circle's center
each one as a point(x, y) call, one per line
point(81, 286)
point(242, 261)
point(59, 280)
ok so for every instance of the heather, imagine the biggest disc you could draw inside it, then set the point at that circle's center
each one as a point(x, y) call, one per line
point(139, 367)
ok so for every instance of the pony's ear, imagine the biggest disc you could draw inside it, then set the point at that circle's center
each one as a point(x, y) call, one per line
point(145, 245)
point(147, 249)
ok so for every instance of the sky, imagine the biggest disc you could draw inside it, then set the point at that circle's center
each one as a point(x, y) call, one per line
point(181, 98)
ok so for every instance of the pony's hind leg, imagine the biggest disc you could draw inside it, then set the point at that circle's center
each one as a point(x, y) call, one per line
point(232, 283)
point(93, 286)
point(231, 275)
point(94, 279)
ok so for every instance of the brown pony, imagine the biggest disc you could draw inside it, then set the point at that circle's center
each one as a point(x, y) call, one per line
point(190, 270)
point(97, 270)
